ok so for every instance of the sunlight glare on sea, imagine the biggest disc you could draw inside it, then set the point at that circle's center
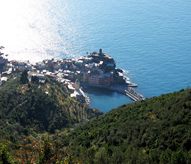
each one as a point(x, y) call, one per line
point(28, 30)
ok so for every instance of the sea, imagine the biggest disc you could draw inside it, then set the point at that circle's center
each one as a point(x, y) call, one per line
point(150, 40)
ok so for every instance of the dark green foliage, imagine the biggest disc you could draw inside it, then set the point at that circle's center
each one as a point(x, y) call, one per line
point(24, 77)
point(34, 79)
point(34, 111)
point(5, 156)
point(156, 130)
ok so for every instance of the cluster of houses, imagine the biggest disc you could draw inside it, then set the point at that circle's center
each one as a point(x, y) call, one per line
point(85, 69)
point(97, 69)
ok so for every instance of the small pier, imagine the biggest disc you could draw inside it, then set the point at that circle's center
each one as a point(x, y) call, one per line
point(130, 92)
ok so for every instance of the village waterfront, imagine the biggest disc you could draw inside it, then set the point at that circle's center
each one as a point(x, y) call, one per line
point(96, 72)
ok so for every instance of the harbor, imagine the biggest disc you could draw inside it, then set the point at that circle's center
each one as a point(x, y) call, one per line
point(123, 89)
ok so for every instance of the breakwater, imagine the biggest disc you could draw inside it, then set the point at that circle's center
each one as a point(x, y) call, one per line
point(130, 92)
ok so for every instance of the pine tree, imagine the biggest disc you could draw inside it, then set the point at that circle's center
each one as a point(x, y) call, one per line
point(24, 77)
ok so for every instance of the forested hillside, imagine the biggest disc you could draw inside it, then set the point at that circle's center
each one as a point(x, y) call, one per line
point(157, 130)
point(37, 108)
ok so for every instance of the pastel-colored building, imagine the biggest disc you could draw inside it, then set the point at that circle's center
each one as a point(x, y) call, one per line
point(93, 79)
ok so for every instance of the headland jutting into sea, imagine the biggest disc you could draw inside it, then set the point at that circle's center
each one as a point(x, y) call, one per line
point(96, 69)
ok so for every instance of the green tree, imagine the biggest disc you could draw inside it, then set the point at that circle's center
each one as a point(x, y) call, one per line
point(101, 156)
point(24, 77)
point(165, 157)
point(34, 79)
point(177, 158)
point(5, 156)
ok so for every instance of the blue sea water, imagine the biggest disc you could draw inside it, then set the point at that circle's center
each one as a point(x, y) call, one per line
point(149, 39)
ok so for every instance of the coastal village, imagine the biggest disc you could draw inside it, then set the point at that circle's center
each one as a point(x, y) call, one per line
point(98, 69)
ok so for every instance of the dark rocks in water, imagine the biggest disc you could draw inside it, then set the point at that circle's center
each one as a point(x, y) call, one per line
point(119, 70)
